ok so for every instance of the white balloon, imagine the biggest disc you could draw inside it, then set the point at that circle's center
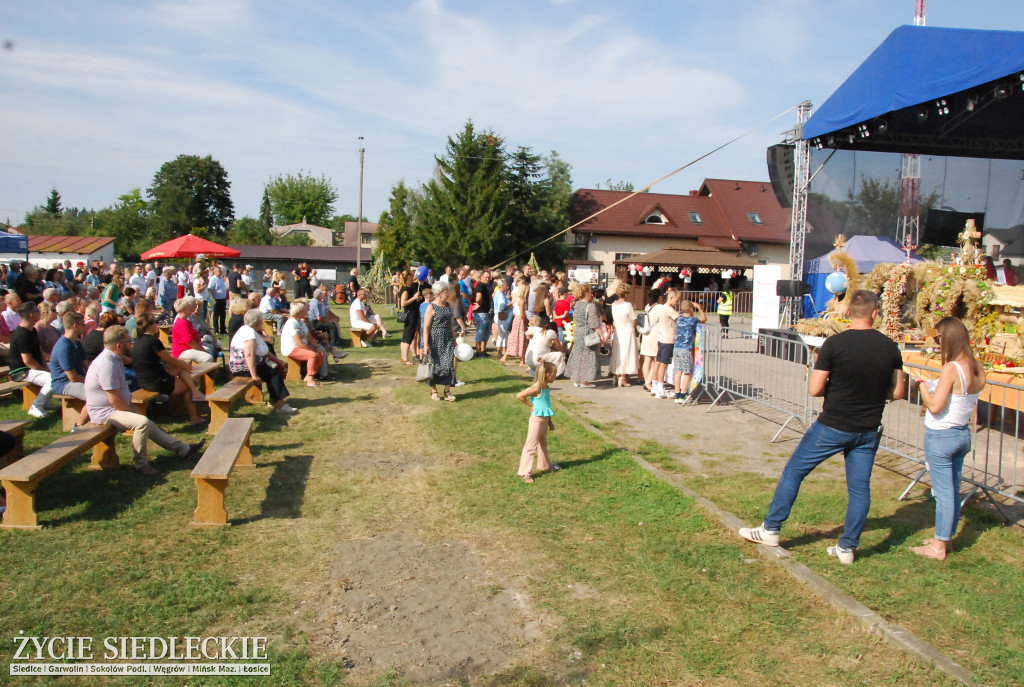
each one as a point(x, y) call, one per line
point(464, 352)
point(632, 271)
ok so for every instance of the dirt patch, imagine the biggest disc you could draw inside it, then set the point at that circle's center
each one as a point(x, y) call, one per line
point(388, 463)
point(432, 612)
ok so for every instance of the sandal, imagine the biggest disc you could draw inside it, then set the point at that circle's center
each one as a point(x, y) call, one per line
point(528, 479)
point(933, 548)
point(449, 397)
point(434, 396)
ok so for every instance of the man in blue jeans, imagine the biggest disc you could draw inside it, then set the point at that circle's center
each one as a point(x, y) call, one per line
point(857, 371)
point(482, 316)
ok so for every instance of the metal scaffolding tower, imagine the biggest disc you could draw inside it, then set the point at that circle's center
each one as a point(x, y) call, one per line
point(798, 224)
point(908, 223)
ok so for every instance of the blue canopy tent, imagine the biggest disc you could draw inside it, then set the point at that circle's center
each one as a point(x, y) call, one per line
point(867, 251)
point(13, 243)
point(932, 91)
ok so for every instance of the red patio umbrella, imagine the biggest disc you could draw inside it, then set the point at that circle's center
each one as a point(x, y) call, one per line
point(189, 246)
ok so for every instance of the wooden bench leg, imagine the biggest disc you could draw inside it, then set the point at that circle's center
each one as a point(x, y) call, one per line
point(70, 411)
point(104, 455)
point(219, 411)
point(16, 453)
point(21, 506)
point(29, 394)
point(208, 383)
point(254, 395)
point(210, 511)
point(357, 337)
point(245, 457)
point(294, 371)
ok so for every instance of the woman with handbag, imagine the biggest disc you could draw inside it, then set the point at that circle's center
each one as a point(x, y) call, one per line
point(582, 366)
point(409, 316)
point(502, 315)
point(517, 334)
point(439, 340)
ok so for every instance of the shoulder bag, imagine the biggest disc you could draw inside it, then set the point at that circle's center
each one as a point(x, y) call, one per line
point(424, 372)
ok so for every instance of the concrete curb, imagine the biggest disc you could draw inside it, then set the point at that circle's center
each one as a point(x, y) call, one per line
point(822, 588)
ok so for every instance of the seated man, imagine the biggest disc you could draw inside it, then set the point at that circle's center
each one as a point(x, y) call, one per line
point(321, 319)
point(67, 362)
point(272, 307)
point(359, 320)
point(109, 401)
point(27, 358)
point(10, 314)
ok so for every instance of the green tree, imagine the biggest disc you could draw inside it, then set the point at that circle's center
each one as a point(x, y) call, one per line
point(301, 197)
point(540, 191)
point(874, 208)
point(616, 185)
point(395, 230)
point(191, 191)
point(266, 210)
point(53, 206)
point(247, 231)
point(129, 221)
point(464, 215)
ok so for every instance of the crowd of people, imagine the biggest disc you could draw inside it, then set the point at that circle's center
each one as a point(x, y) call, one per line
point(93, 332)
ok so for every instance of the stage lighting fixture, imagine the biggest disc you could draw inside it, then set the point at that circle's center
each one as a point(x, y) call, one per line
point(817, 143)
point(851, 138)
point(971, 104)
point(831, 141)
point(941, 107)
point(863, 131)
point(922, 115)
point(1002, 91)
point(881, 126)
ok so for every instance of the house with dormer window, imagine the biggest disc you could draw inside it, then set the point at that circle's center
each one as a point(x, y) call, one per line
point(733, 217)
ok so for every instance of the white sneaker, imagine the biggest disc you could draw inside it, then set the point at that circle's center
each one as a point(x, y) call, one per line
point(459, 382)
point(845, 556)
point(759, 535)
point(363, 344)
point(35, 412)
point(287, 409)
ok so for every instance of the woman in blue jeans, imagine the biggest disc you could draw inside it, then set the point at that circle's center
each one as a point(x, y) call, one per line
point(950, 402)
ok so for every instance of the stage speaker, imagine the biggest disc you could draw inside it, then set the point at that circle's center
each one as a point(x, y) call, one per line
point(781, 172)
point(791, 288)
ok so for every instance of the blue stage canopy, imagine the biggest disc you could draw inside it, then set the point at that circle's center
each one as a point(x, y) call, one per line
point(13, 243)
point(893, 102)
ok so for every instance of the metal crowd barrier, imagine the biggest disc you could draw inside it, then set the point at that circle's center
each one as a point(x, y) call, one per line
point(769, 370)
point(773, 371)
point(742, 302)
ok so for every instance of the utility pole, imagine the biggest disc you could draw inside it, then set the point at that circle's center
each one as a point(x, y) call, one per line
point(359, 219)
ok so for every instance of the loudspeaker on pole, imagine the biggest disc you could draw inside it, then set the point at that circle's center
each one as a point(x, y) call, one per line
point(782, 172)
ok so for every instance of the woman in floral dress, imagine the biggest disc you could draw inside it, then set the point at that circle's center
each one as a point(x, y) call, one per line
point(439, 340)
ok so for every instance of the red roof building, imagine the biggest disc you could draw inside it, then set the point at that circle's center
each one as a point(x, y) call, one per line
point(735, 217)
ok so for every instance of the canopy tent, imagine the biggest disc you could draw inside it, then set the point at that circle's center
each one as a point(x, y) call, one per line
point(867, 251)
point(932, 91)
point(13, 243)
point(189, 246)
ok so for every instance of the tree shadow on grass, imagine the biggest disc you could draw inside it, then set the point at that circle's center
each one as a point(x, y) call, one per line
point(286, 490)
point(105, 493)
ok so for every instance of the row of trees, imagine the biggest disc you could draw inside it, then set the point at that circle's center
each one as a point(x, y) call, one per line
point(192, 194)
point(484, 205)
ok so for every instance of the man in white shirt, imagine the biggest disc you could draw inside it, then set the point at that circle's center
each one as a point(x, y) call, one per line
point(359, 320)
point(151, 277)
point(10, 315)
point(138, 280)
point(321, 319)
point(272, 308)
point(247, 277)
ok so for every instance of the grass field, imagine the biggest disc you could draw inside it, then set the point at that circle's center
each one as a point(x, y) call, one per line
point(631, 583)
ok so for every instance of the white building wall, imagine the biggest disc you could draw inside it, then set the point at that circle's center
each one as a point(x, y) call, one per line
point(48, 260)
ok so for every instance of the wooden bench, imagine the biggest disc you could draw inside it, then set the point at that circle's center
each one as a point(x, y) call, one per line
point(15, 428)
point(141, 399)
point(5, 371)
point(29, 394)
point(268, 327)
point(165, 335)
point(294, 370)
point(20, 479)
point(223, 398)
point(228, 450)
point(357, 337)
point(203, 374)
point(10, 387)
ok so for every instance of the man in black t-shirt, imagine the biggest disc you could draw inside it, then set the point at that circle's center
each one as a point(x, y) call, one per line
point(26, 358)
point(236, 287)
point(482, 315)
point(856, 371)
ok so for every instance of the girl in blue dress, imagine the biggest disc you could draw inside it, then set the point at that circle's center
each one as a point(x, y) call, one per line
point(538, 397)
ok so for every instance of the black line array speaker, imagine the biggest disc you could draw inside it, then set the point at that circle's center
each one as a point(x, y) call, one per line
point(791, 288)
point(781, 172)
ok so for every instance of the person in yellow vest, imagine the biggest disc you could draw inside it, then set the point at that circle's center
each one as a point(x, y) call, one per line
point(724, 307)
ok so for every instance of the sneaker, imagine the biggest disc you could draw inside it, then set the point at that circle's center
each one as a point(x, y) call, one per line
point(759, 535)
point(663, 394)
point(338, 354)
point(194, 450)
point(363, 344)
point(654, 391)
point(680, 399)
point(147, 470)
point(287, 409)
point(35, 412)
point(845, 556)
point(459, 382)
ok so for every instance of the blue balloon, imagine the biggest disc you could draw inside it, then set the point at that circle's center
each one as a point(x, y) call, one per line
point(836, 283)
point(421, 273)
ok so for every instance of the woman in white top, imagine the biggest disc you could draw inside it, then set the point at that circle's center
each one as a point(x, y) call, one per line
point(950, 402)
point(624, 354)
point(297, 344)
point(502, 315)
point(649, 340)
point(543, 347)
point(249, 356)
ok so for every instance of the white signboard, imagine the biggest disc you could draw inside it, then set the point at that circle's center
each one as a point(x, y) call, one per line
point(326, 275)
point(766, 303)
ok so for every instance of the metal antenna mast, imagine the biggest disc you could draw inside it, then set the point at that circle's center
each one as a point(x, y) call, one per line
point(798, 223)
point(908, 224)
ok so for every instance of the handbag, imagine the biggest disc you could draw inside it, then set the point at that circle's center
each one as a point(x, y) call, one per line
point(643, 323)
point(424, 372)
point(401, 316)
point(592, 339)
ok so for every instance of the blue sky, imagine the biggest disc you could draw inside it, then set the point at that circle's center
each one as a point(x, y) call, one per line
point(97, 95)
